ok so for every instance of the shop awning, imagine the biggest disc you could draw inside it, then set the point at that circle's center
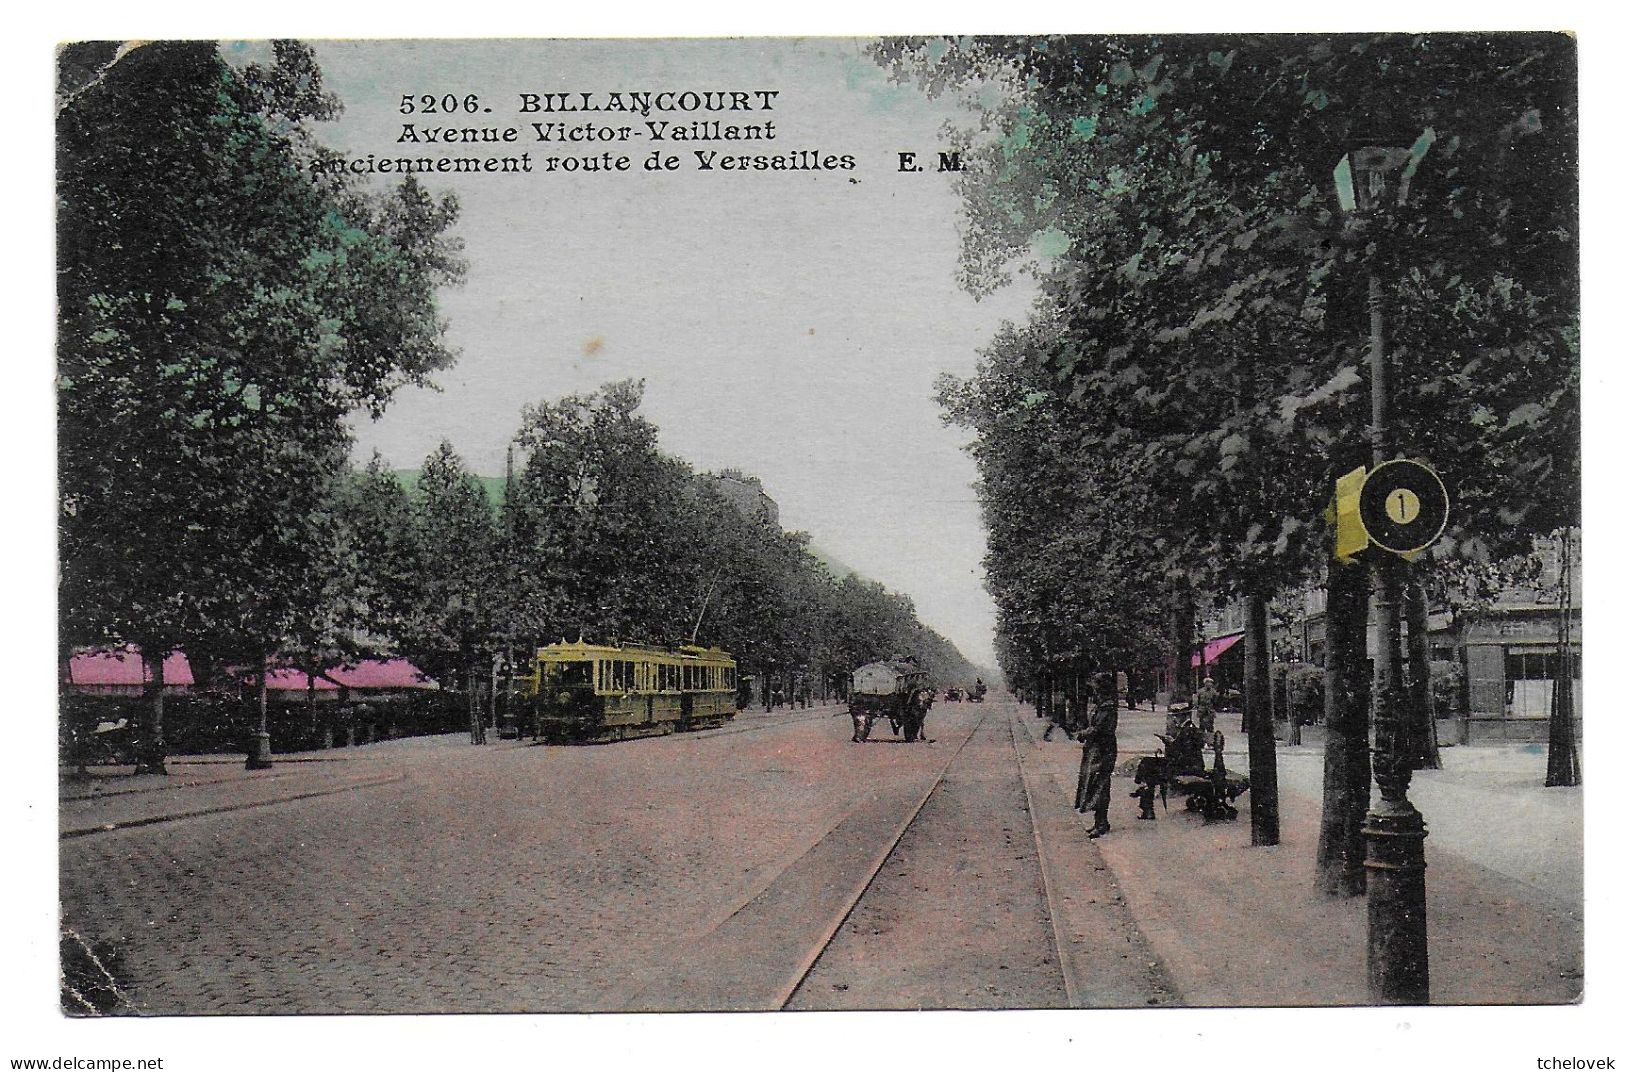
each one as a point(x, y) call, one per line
point(123, 668)
point(1214, 648)
point(382, 674)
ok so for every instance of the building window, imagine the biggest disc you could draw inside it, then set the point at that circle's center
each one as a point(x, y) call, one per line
point(1529, 677)
point(1538, 665)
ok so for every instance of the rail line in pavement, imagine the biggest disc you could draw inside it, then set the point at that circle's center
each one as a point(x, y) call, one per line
point(756, 954)
point(723, 731)
point(784, 997)
point(1063, 955)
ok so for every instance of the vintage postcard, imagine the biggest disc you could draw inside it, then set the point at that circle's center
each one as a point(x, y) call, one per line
point(819, 524)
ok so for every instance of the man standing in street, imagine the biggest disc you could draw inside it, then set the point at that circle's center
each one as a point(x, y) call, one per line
point(1207, 701)
point(1099, 737)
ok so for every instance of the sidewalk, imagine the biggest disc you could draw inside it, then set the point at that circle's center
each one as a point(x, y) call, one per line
point(1237, 925)
point(110, 798)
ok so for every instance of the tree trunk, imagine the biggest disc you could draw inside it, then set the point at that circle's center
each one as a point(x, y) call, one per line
point(1346, 791)
point(1184, 630)
point(1562, 745)
point(1562, 752)
point(310, 704)
point(1063, 697)
point(151, 749)
point(1265, 799)
point(1424, 735)
point(476, 723)
point(1294, 731)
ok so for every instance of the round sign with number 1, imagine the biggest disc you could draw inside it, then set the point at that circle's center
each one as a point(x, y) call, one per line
point(1403, 506)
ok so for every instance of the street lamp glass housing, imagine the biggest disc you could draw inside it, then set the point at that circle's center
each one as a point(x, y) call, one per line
point(1374, 177)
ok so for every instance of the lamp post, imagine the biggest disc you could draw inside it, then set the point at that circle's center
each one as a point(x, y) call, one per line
point(259, 743)
point(1370, 180)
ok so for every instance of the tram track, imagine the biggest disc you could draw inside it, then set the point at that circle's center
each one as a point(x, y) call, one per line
point(1063, 952)
point(724, 731)
point(948, 917)
point(810, 960)
point(962, 884)
point(1107, 961)
point(757, 956)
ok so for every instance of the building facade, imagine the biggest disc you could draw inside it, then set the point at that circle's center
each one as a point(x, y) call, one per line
point(1506, 641)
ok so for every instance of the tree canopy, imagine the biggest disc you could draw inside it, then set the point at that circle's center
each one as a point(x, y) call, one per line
point(1193, 376)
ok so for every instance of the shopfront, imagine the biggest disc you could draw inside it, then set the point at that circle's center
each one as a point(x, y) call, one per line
point(1512, 663)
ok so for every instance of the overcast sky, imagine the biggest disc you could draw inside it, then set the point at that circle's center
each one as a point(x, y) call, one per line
point(787, 323)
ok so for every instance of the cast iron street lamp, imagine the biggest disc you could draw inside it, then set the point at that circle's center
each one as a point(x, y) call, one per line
point(1370, 180)
point(259, 742)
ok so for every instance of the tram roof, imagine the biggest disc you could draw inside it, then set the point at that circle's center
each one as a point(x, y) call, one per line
point(583, 650)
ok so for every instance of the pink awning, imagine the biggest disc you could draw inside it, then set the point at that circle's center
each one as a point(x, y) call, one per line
point(287, 679)
point(122, 668)
point(106, 668)
point(381, 674)
point(1214, 648)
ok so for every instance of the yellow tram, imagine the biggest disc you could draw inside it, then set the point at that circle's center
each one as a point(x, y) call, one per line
point(612, 692)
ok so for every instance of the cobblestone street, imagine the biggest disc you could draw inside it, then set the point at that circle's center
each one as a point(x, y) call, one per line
point(768, 864)
point(694, 871)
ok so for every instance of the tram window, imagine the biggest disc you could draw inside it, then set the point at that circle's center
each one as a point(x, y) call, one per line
point(572, 674)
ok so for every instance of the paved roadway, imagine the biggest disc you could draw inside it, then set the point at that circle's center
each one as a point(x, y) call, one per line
point(768, 864)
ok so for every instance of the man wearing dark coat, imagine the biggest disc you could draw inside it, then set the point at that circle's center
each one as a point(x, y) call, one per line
point(1099, 737)
point(1207, 701)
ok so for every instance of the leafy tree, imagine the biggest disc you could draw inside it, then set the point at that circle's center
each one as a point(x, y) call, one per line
point(595, 520)
point(388, 556)
point(221, 310)
point(453, 631)
point(1204, 301)
point(614, 539)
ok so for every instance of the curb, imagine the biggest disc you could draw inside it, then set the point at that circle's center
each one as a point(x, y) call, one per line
point(171, 817)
